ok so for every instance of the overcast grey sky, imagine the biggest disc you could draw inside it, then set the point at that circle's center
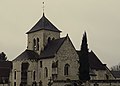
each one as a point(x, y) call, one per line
point(100, 18)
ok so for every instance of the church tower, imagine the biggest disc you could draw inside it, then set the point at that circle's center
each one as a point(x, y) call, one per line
point(40, 34)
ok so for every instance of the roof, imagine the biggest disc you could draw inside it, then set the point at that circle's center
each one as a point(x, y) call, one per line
point(43, 24)
point(49, 51)
point(94, 61)
point(27, 54)
point(5, 68)
point(116, 74)
point(51, 48)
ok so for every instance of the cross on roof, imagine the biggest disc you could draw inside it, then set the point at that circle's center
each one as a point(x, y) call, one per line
point(43, 6)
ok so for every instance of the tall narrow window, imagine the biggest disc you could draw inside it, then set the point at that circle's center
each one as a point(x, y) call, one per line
point(14, 83)
point(37, 43)
point(34, 44)
point(66, 69)
point(107, 77)
point(15, 74)
point(49, 39)
point(34, 75)
point(46, 72)
point(41, 64)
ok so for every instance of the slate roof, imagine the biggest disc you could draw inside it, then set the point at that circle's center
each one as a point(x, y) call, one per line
point(94, 61)
point(51, 48)
point(49, 51)
point(27, 54)
point(116, 74)
point(5, 68)
point(43, 24)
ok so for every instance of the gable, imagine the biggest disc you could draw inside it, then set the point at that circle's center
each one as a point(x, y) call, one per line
point(95, 62)
point(67, 50)
point(67, 55)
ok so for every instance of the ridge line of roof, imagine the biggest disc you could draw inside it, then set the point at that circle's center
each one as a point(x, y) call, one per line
point(41, 25)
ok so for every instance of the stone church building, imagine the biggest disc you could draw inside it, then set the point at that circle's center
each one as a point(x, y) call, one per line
point(50, 60)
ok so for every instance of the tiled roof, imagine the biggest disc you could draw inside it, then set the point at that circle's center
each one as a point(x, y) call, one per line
point(116, 74)
point(27, 54)
point(43, 24)
point(94, 61)
point(51, 48)
point(49, 51)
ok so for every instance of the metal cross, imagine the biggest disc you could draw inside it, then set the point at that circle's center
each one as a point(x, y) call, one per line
point(43, 6)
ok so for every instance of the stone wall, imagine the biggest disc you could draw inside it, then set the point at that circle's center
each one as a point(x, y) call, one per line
point(43, 36)
point(17, 68)
point(103, 75)
point(46, 63)
point(4, 84)
point(67, 55)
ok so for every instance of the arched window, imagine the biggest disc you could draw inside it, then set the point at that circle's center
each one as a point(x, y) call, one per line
point(54, 64)
point(15, 74)
point(34, 44)
point(37, 43)
point(46, 72)
point(41, 64)
point(66, 69)
point(53, 38)
point(107, 77)
point(34, 75)
point(49, 39)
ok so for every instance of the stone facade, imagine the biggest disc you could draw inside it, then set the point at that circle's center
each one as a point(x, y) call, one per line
point(102, 75)
point(59, 68)
point(67, 55)
point(43, 36)
point(17, 65)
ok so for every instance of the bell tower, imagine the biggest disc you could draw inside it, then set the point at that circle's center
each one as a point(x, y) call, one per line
point(40, 34)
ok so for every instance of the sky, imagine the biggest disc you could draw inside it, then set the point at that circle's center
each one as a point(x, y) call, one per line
point(99, 18)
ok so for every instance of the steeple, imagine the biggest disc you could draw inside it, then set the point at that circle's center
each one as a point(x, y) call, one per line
point(43, 24)
point(40, 33)
point(84, 60)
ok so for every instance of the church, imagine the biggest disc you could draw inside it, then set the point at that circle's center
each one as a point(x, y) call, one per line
point(50, 60)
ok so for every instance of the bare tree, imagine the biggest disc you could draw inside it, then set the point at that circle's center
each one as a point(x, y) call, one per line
point(115, 68)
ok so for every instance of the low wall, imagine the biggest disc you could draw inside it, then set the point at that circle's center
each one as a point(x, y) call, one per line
point(88, 83)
